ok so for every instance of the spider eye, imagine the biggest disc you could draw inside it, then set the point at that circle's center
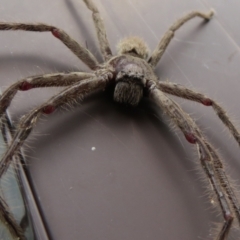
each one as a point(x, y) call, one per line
point(134, 46)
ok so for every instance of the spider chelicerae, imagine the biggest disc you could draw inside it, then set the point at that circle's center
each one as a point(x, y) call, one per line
point(131, 74)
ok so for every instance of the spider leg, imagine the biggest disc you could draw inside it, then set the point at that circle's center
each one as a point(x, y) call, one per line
point(100, 29)
point(167, 37)
point(69, 95)
point(210, 160)
point(75, 92)
point(47, 80)
point(81, 52)
point(210, 168)
point(7, 218)
point(183, 92)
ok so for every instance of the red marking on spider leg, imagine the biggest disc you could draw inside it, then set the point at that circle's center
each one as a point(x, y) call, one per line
point(56, 33)
point(24, 86)
point(228, 216)
point(48, 109)
point(207, 102)
point(190, 138)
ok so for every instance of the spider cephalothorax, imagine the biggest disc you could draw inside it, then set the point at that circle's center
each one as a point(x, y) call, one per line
point(132, 74)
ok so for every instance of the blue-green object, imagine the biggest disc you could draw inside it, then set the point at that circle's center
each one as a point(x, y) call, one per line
point(17, 203)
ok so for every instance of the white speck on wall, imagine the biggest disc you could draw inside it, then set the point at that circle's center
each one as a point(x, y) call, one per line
point(93, 148)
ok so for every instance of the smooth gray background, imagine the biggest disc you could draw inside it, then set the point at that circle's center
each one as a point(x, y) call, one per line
point(143, 181)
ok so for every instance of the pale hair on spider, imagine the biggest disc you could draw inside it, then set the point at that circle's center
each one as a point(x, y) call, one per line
point(133, 46)
point(132, 74)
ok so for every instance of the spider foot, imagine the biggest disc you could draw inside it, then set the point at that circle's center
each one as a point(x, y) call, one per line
point(211, 13)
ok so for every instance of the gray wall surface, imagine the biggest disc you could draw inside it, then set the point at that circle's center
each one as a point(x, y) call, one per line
point(103, 171)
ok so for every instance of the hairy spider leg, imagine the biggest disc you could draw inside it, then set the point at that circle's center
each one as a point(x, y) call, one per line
point(71, 94)
point(183, 92)
point(46, 80)
point(210, 161)
point(167, 37)
point(7, 218)
point(81, 52)
point(75, 92)
point(100, 29)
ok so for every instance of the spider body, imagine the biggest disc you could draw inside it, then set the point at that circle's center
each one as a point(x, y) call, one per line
point(131, 73)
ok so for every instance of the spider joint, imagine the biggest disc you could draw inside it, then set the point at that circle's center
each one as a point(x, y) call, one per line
point(207, 102)
point(56, 33)
point(48, 109)
point(191, 138)
point(25, 85)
